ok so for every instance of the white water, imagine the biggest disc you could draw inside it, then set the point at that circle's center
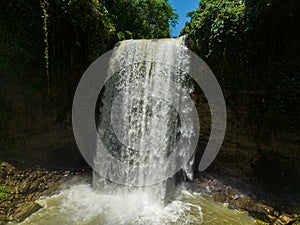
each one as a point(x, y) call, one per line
point(139, 124)
point(82, 205)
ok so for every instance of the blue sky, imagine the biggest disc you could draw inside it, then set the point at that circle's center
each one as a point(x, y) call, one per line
point(182, 7)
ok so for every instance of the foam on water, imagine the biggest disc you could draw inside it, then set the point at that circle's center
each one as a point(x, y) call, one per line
point(83, 205)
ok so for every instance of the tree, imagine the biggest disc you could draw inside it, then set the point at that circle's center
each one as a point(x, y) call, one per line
point(251, 46)
point(141, 18)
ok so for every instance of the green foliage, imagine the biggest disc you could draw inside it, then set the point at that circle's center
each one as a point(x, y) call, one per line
point(3, 196)
point(252, 48)
point(141, 18)
point(20, 45)
point(217, 23)
point(19, 27)
point(70, 34)
point(3, 164)
point(48, 44)
point(4, 188)
point(80, 31)
point(87, 24)
point(4, 192)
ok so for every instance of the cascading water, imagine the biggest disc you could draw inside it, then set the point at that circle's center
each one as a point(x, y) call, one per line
point(138, 124)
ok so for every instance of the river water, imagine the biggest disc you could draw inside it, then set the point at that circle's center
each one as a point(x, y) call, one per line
point(82, 205)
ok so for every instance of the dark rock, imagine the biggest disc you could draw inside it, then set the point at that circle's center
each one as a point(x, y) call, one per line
point(26, 210)
point(9, 218)
point(259, 207)
point(219, 197)
point(284, 220)
point(2, 218)
point(27, 186)
point(260, 211)
point(24, 186)
point(34, 186)
point(6, 169)
point(240, 202)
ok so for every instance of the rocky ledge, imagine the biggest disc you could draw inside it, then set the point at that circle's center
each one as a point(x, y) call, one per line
point(19, 189)
point(263, 210)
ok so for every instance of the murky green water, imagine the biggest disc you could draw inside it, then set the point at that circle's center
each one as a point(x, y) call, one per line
point(81, 205)
point(217, 213)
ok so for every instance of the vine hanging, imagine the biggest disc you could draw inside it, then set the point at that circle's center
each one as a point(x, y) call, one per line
point(45, 16)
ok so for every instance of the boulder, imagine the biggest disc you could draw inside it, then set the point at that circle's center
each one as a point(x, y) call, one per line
point(219, 197)
point(261, 211)
point(284, 219)
point(26, 210)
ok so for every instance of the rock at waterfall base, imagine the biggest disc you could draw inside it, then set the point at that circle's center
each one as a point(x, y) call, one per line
point(26, 210)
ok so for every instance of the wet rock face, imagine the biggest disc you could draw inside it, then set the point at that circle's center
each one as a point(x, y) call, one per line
point(254, 148)
point(23, 187)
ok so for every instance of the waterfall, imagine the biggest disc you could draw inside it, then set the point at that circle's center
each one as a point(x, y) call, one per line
point(146, 135)
point(137, 121)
